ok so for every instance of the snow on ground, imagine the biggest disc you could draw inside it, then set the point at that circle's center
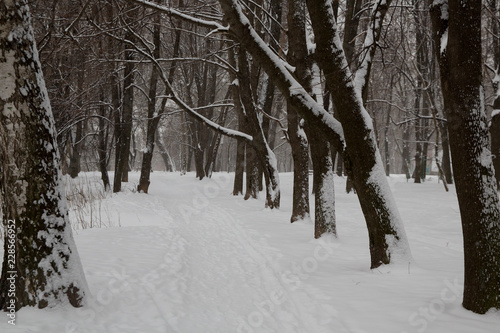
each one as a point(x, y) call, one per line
point(190, 257)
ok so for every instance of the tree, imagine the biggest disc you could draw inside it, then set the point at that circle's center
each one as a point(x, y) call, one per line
point(45, 259)
point(155, 112)
point(387, 236)
point(457, 36)
point(385, 228)
point(323, 185)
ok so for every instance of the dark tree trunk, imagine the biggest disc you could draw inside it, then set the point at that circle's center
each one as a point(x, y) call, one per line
point(461, 79)
point(127, 110)
point(261, 152)
point(75, 157)
point(77, 144)
point(298, 57)
point(405, 154)
point(446, 161)
point(495, 141)
point(239, 167)
point(103, 145)
point(252, 173)
point(40, 257)
point(351, 29)
point(386, 143)
point(154, 115)
point(385, 229)
point(240, 144)
point(213, 148)
point(324, 191)
point(300, 155)
point(495, 115)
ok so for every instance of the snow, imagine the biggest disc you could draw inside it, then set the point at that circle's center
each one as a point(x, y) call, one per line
point(295, 89)
point(444, 42)
point(228, 265)
point(399, 249)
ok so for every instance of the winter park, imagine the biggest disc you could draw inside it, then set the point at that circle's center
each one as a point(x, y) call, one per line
point(250, 166)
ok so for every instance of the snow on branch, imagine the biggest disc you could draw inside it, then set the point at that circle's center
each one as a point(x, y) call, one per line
point(370, 45)
point(216, 27)
point(313, 112)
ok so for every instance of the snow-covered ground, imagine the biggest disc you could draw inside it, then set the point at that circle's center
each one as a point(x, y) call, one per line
point(190, 257)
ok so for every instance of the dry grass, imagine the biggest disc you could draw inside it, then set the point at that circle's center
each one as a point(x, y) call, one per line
point(88, 203)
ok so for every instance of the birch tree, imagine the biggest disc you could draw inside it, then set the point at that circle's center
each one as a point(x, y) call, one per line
point(43, 262)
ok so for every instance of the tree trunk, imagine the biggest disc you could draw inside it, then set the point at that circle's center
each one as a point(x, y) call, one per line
point(103, 146)
point(153, 118)
point(298, 57)
point(446, 161)
point(385, 229)
point(495, 114)
point(77, 144)
point(386, 143)
point(252, 173)
point(261, 151)
point(300, 155)
point(324, 190)
point(460, 63)
point(40, 256)
point(127, 110)
point(154, 115)
point(239, 167)
point(167, 159)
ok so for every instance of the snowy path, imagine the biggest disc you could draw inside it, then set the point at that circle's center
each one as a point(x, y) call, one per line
point(191, 258)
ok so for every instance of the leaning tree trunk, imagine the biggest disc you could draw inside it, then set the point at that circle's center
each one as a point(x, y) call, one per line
point(385, 229)
point(323, 185)
point(260, 148)
point(40, 256)
point(460, 65)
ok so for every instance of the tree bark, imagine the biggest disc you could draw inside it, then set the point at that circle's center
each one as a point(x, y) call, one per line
point(385, 229)
point(298, 57)
point(40, 256)
point(77, 145)
point(446, 161)
point(127, 110)
point(461, 78)
point(259, 147)
point(103, 146)
point(154, 115)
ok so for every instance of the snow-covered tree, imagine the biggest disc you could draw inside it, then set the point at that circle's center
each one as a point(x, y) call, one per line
point(457, 35)
point(40, 256)
point(387, 235)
